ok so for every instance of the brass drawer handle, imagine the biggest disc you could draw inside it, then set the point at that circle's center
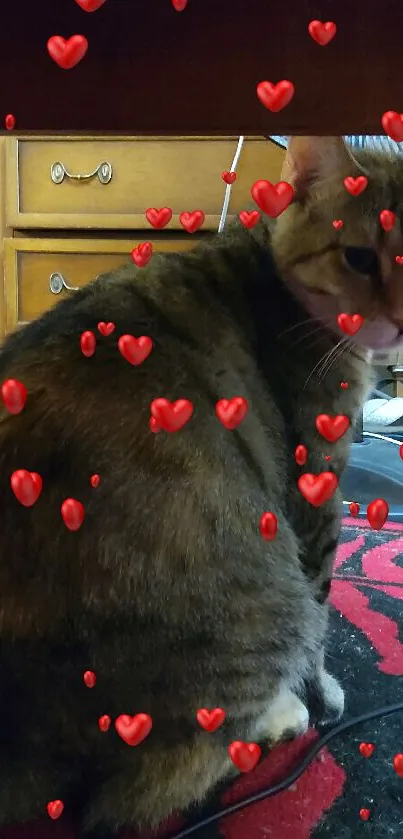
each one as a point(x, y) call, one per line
point(57, 283)
point(58, 172)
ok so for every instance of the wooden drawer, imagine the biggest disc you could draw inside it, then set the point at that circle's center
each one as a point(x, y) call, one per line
point(181, 173)
point(30, 264)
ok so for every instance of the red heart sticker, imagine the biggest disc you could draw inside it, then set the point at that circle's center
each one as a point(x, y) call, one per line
point(72, 513)
point(135, 350)
point(332, 428)
point(244, 755)
point(104, 722)
point(142, 254)
point(88, 343)
point(355, 186)
point(275, 97)
point(301, 455)
point(14, 395)
point(398, 764)
point(90, 5)
point(171, 416)
point(229, 177)
point(387, 220)
point(106, 328)
point(399, 260)
point(354, 509)
point(179, 5)
point(392, 124)
point(272, 199)
point(344, 385)
point(322, 33)
point(67, 53)
point(249, 220)
point(192, 221)
point(366, 749)
point(9, 122)
point(55, 809)
point(350, 324)
point(338, 223)
point(268, 526)
point(317, 489)
point(159, 218)
point(231, 412)
point(210, 720)
point(401, 451)
point(377, 513)
point(133, 730)
point(89, 679)
point(365, 814)
point(26, 486)
point(94, 481)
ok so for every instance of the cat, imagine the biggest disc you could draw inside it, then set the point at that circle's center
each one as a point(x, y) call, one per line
point(168, 591)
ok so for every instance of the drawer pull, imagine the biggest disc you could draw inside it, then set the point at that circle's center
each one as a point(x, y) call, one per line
point(57, 283)
point(58, 172)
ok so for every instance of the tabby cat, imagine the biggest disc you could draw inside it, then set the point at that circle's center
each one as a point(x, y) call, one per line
point(168, 592)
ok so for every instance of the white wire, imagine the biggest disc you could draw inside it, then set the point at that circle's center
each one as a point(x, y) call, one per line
point(382, 437)
point(227, 195)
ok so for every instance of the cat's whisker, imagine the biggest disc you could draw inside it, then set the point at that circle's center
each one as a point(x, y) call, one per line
point(344, 347)
point(321, 361)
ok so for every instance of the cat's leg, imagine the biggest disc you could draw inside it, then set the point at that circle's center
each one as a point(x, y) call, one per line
point(286, 717)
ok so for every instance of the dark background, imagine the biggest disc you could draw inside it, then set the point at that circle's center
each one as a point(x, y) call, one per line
point(150, 69)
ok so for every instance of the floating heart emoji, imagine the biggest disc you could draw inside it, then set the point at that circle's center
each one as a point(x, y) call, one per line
point(401, 451)
point(338, 223)
point(9, 122)
point(350, 324)
point(106, 328)
point(365, 814)
point(355, 186)
point(104, 722)
point(272, 199)
point(231, 412)
point(366, 749)
point(249, 220)
point(229, 177)
point(398, 764)
point(67, 53)
point(322, 33)
point(89, 679)
point(332, 428)
point(88, 343)
point(72, 513)
point(159, 218)
point(377, 513)
point(354, 509)
point(399, 260)
point(327, 457)
point(94, 481)
point(26, 486)
point(179, 5)
point(90, 5)
point(142, 254)
point(192, 221)
point(135, 350)
point(317, 489)
point(387, 220)
point(133, 730)
point(275, 97)
point(268, 526)
point(344, 385)
point(171, 416)
point(210, 720)
point(301, 455)
point(14, 395)
point(244, 755)
point(55, 809)
point(392, 124)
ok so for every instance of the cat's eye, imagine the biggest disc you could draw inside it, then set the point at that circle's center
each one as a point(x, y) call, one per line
point(363, 260)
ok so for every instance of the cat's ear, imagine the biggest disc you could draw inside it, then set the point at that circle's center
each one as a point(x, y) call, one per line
point(311, 159)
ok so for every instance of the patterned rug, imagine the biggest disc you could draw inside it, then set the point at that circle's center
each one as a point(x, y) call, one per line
point(366, 654)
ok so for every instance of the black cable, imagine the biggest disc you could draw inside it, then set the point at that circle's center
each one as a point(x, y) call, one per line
point(287, 782)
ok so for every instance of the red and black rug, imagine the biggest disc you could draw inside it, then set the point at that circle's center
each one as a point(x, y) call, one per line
point(366, 654)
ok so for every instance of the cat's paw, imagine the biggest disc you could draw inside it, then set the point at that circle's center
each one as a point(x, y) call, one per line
point(286, 717)
point(332, 696)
